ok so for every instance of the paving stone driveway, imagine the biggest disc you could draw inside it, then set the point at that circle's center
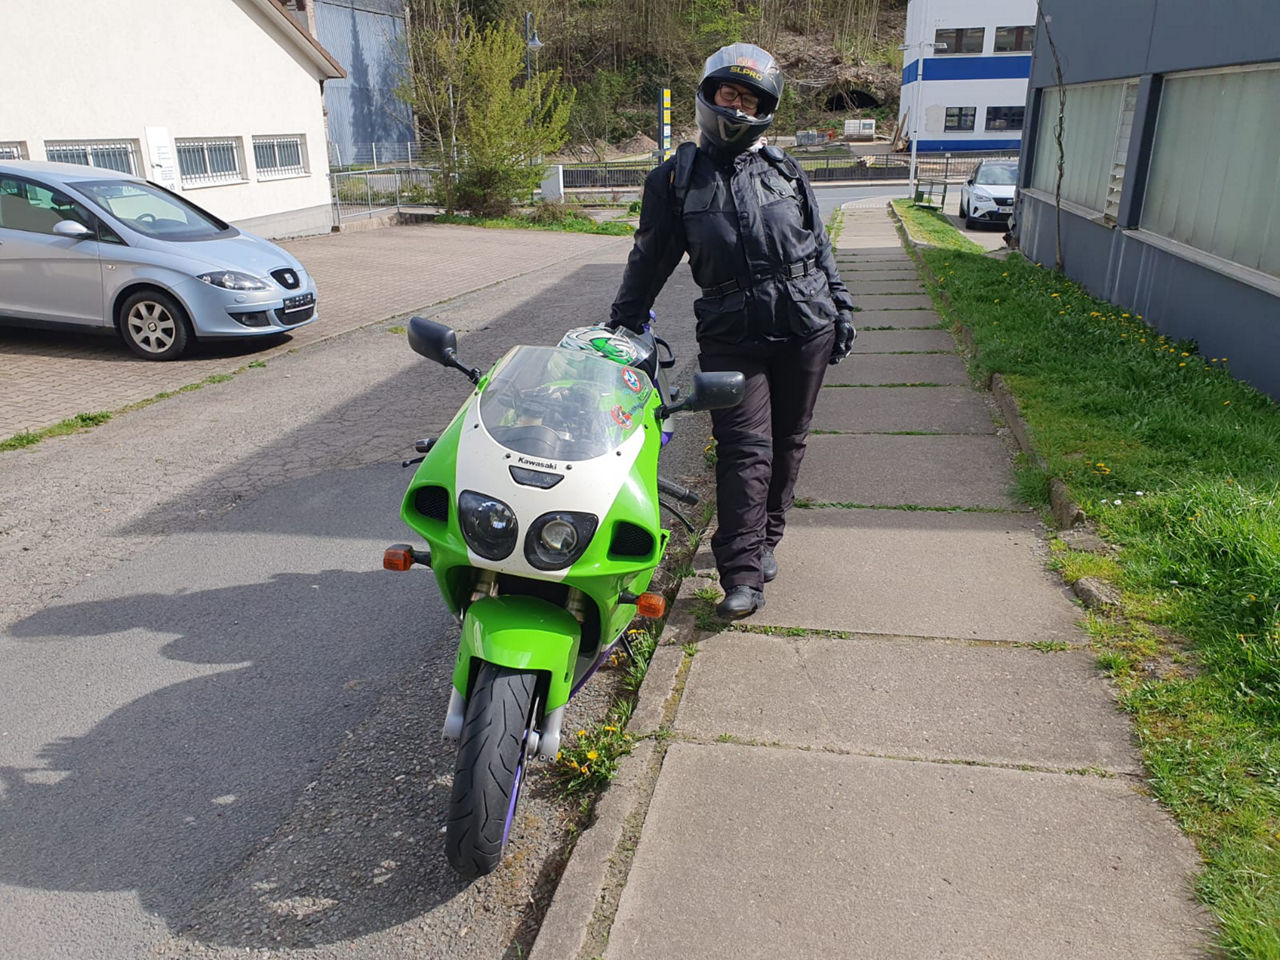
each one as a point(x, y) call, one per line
point(363, 277)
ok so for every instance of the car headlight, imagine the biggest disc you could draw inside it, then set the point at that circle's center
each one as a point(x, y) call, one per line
point(556, 540)
point(488, 525)
point(982, 195)
point(233, 280)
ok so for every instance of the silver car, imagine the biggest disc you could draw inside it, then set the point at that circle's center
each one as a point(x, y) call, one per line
point(97, 248)
point(988, 195)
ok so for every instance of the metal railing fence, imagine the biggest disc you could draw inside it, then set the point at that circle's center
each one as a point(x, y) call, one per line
point(366, 193)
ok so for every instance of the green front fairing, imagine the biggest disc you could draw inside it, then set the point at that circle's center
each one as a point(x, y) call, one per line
point(523, 633)
point(548, 638)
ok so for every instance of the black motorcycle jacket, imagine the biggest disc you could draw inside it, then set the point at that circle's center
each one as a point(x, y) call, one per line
point(756, 247)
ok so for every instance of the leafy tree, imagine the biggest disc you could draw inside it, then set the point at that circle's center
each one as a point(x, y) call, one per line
point(490, 134)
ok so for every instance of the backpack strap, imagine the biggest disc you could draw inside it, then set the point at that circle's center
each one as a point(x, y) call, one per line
point(682, 173)
point(789, 167)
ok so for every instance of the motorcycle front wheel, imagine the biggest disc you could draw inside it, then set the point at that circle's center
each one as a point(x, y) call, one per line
point(490, 767)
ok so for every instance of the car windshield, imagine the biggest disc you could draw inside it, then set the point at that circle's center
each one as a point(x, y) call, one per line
point(153, 211)
point(563, 404)
point(997, 174)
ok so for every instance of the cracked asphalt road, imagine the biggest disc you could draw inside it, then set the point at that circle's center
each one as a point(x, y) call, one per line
point(218, 716)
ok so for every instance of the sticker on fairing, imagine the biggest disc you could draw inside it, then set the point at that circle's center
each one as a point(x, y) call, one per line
point(632, 380)
point(621, 417)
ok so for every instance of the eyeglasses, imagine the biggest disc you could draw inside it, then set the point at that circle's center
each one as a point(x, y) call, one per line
point(731, 94)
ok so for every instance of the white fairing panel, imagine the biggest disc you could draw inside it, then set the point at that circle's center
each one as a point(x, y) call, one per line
point(589, 486)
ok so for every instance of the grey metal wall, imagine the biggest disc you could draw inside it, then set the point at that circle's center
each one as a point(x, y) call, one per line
point(366, 37)
point(1104, 40)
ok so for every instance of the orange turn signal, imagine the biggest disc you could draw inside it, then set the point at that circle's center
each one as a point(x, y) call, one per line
point(397, 557)
point(652, 605)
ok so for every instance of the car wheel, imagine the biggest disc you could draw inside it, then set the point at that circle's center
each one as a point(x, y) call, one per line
point(154, 325)
point(969, 222)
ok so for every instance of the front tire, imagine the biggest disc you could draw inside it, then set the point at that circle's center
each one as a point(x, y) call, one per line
point(154, 325)
point(490, 768)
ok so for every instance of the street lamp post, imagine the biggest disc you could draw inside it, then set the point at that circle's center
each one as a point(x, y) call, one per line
point(531, 46)
point(915, 107)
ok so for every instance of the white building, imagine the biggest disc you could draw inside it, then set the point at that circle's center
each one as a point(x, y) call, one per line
point(971, 93)
point(220, 100)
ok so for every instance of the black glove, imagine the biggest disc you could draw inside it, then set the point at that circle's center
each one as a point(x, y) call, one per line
point(612, 324)
point(845, 335)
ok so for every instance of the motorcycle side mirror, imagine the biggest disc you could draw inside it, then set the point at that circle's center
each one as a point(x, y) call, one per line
point(711, 391)
point(437, 342)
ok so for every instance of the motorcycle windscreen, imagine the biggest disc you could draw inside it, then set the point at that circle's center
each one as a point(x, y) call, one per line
point(563, 404)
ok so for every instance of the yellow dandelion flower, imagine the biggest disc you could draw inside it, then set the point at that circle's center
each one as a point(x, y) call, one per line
point(582, 733)
point(1124, 315)
point(1252, 597)
point(1005, 274)
point(1226, 403)
point(1186, 354)
point(591, 754)
point(611, 729)
point(1054, 294)
point(1182, 364)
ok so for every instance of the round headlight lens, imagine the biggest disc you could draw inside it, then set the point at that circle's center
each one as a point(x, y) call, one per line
point(559, 536)
point(488, 525)
point(557, 540)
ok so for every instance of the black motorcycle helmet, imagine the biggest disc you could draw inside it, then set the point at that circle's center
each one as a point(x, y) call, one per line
point(746, 65)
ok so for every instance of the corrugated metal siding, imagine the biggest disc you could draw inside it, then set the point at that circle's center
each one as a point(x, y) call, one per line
point(366, 37)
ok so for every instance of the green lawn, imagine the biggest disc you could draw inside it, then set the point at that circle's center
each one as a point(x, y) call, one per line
point(1178, 464)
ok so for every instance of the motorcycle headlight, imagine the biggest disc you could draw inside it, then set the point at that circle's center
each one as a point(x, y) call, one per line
point(556, 540)
point(488, 525)
point(233, 280)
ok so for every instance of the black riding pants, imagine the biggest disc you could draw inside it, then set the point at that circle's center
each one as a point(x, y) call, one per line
point(760, 443)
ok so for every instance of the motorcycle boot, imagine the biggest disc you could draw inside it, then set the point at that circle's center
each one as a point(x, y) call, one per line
point(740, 601)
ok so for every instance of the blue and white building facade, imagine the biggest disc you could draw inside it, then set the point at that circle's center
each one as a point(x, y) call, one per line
point(970, 94)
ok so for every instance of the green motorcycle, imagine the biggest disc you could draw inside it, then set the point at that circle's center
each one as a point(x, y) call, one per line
point(540, 508)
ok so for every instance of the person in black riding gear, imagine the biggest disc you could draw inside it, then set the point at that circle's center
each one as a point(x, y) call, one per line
point(773, 305)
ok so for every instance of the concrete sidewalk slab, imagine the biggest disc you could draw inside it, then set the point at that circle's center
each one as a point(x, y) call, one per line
point(926, 573)
point(885, 254)
point(862, 369)
point(892, 696)
point(891, 409)
point(904, 341)
point(758, 852)
point(870, 274)
point(896, 319)
point(889, 287)
point(894, 301)
point(893, 470)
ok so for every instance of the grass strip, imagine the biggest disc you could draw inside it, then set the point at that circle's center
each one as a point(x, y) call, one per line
point(1176, 463)
point(571, 223)
point(925, 225)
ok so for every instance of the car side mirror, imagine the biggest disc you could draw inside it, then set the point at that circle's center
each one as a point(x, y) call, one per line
point(711, 391)
point(72, 229)
point(437, 342)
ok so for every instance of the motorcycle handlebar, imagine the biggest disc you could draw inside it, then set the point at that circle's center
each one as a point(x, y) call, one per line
point(683, 494)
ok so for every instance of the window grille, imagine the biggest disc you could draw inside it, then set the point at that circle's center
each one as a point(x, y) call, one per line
point(121, 155)
point(203, 162)
point(279, 157)
point(12, 150)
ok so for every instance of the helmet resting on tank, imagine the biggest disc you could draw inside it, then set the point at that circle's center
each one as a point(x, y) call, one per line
point(745, 65)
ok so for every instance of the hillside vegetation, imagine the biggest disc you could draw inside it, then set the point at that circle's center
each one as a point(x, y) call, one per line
point(839, 57)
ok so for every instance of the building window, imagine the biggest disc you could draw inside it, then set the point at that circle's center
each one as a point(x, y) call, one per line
point(1212, 179)
point(960, 118)
point(1014, 39)
point(12, 150)
point(203, 162)
point(279, 157)
point(112, 155)
point(1004, 118)
point(960, 39)
point(1090, 134)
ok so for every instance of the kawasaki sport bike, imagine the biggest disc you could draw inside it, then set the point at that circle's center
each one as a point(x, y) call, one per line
point(539, 505)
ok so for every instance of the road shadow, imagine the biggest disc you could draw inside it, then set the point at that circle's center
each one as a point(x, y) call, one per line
point(168, 795)
point(105, 346)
